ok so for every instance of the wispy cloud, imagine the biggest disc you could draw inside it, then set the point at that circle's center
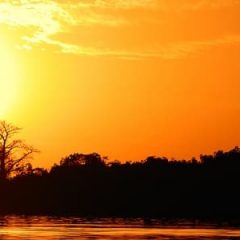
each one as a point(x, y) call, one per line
point(113, 4)
point(194, 5)
point(42, 18)
point(45, 19)
point(167, 52)
point(165, 5)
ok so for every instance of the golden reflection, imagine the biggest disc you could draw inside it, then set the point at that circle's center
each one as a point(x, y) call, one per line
point(72, 228)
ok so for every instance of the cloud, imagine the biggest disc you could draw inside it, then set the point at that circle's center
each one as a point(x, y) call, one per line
point(165, 5)
point(42, 18)
point(114, 4)
point(194, 5)
point(45, 19)
point(183, 49)
point(165, 52)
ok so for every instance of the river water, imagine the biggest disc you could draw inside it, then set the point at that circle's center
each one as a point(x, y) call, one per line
point(55, 228)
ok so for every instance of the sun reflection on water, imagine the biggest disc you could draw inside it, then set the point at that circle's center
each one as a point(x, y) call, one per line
point(16, 228)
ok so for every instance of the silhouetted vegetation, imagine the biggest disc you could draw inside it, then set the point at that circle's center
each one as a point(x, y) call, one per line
point(14, 153)
point(89, 185)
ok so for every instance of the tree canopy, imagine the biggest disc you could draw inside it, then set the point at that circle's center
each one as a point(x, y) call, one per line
point(14, 153)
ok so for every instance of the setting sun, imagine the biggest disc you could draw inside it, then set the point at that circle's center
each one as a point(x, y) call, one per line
point(8, 79)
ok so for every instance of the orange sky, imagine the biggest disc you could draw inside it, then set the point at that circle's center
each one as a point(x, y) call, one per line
point(125, 78)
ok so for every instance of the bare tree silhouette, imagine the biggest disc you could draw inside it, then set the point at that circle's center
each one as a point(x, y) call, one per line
point(14, 153)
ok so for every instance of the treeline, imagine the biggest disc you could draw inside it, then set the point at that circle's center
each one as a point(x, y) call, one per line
point(89, 185)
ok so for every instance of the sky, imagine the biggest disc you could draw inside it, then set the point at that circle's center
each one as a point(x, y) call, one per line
point(125, 78)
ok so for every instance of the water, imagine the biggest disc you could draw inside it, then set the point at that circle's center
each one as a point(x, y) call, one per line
point(53, 228)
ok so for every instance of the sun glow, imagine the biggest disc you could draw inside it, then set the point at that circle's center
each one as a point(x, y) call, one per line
point(8, 78)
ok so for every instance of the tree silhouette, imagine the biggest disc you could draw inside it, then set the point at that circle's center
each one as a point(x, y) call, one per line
point(84, 185)
point(80, 159)
point(14, 153)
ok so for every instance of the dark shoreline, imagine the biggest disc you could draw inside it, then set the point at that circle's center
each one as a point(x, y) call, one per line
point(84, 185)
point(130, 221)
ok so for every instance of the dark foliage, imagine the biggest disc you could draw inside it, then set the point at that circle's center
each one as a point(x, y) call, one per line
point(86, 185)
